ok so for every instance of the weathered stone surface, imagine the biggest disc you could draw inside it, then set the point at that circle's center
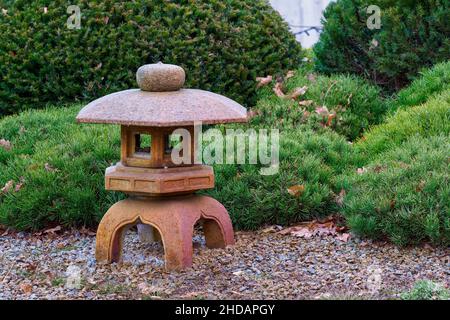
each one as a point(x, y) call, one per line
point(160, 77)
point(148, 181)
point(173, 218)
point(163, 109)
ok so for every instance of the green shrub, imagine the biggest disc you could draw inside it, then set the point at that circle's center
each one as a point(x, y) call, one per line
point(431, 82)
point(426, 290)
point(356, 103)
point(413, 35)
point(405, 193)
point(59, 166)
point(307, 158)
point(223, 46)
point(432, 118)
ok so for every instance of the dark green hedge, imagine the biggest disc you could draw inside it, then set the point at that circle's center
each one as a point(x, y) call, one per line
point(413, 35)
point(223, 45)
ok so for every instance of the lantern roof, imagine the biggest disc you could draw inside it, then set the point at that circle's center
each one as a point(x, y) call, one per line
point(161, 102)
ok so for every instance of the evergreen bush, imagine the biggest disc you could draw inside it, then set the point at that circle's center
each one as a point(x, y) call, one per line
point(223, 46)
point(413, 35)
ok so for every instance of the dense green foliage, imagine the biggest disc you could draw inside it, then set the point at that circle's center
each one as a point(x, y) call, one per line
point(223, 46)
point(309, 159)
point(404, 195)
point(57, 167)
point(414, 34)
point(405, 192)
point(431, 82)
point(356, 104)
point(427, 290)
point(432, 118)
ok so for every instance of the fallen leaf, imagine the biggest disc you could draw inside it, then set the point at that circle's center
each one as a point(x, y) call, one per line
point(297, 92)
point(420, 186)
point(323, 230)
point(311, 77)
point(5, 144)
point(340, 198)
point(289, 74)
point(86, 231)
point(349, 99)
point(263, 81)
point(302, 233)
point(26, 287)
point(53, 230)
point(7, 186)
point(330, 119)
point(305, 103)
point(296, 190)
point(271, 229)
point(361, 170)
point(344, 237)
point(323, 111)
point(278, 90)
point(49, 168)
point(392, 204)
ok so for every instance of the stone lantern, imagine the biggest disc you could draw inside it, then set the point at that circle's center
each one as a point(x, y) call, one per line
point(161, 190)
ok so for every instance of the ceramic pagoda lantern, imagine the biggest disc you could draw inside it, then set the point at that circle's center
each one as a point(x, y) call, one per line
point(161, 191)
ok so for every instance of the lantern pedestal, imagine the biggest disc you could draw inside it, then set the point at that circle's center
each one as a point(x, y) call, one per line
point(173, 220)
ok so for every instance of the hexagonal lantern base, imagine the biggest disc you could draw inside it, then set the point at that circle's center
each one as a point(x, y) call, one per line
point(169, 181)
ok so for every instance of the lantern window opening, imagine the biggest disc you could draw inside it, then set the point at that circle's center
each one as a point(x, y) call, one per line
point(172, 141)
point(142, 145)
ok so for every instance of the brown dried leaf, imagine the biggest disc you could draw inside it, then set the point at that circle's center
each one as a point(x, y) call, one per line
point(297, 92)
point(330, 119)
point(340, 198)
point(278, 89)
point(7, 186)
point(49, 168)
point(26, 287)
point(296, 190)
point(343, 237)
point(420, 186)
point(53, 230)
point(5, 144)
point(323, 111)
point(263, 81)
point(302, 233)
point(86, 231)
point(311, 77)
point(361, 170)
point(306, 103)
point(271, 229)
point(289, 74)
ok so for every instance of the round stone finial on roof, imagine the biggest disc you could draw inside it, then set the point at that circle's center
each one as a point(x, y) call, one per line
point(160, 77)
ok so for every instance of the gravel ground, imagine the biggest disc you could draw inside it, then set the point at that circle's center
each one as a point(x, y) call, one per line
point(262, 265)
